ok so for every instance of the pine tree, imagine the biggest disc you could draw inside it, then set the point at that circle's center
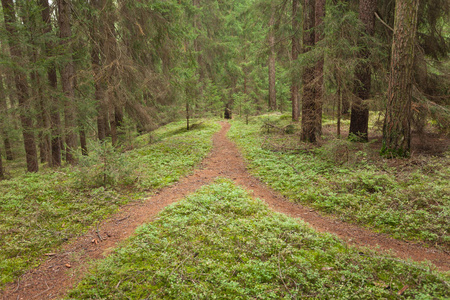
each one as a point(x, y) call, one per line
point(2, 175)
point(359, 122)
point(318, 72)
point(295, 52)
point(67, 79)
point(4, 118)
point(55, 119)
point(309, 105)
point(397, 123)
point(96, 57)
point(272, 57)
point(21, 86)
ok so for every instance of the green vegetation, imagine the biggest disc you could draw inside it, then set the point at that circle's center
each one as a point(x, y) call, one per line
point(87, 77)
point(221, 244)
point(406, 198)
point(41, 211)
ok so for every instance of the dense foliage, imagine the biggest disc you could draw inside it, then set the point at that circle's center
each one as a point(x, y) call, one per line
point(92, 94)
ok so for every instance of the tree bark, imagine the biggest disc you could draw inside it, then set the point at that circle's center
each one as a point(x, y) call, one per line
point(318, 72)
point(67, 79)
point(55, 119)
point(21, 87)
point(295, 52)
point(2, 175)
point(345, 106)
point(359, 118)
point(99, 93)
point(97, 60)
point(308, 106)
point(83, 143)
point(4, 117)
point(339, 103)
point(30, 22)
point(197, 46)
point(42, 118)
point(397, 123)
point(272, 75)
point(110, 55)
point(113, 125)
point(187, 116)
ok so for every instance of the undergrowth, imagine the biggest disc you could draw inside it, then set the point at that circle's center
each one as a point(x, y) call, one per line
point(40, 211)
point(407, 198)
point(221, 244)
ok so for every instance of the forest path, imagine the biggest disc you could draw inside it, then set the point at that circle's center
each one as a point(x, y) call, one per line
point(55, 276)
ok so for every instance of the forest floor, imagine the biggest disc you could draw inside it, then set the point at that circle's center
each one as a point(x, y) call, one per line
point(62, 270)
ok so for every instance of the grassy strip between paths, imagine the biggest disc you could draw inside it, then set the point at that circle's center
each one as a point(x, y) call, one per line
point(221, 244)
point(406, 198)
point(40, 211)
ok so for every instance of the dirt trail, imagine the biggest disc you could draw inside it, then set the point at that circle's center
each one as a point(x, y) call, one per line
point(60, 272)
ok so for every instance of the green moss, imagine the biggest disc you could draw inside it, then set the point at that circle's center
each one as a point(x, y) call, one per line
point(353, 184)
point(221, 244)
point(39, 212)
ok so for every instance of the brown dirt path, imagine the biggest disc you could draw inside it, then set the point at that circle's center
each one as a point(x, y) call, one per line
point(60, 272)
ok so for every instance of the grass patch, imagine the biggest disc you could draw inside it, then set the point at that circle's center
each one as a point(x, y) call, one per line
point(406, 198)
point(39, 212)
point(221, 244)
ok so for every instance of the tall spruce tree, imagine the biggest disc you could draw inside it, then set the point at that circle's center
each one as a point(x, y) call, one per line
point(272, 62)
point(68, 79)
point(295, 51)
point(97, 57)
point(397, 123)
point(55, 119)
point(318, 72)
point(308, 105)
point(359, 122)
point(4, 118)
point(2, 174)
point(22, 87)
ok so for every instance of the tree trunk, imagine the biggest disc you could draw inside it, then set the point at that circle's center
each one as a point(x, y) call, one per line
point(97, 60)
point(197, 46)
point(83, 144)
point(110, 54)
point(308, 106)
point(227, 114)
point(42, 117)
point(67, 80)
point(118, 119)
point(46, 133)
point(187, 116)
point(4, 117)
point(2, 175)
point(113, 125)
point(99, 93)
point(21, 87)
point(339, 103)
point(30, 22)
point(318, 75)
point(272, 79)
point(397, 123)
point(106, 118)
point(359, 119)
point(295, 52)
point(7, 143)
point(118, 115)
point(55, 119)
point(345, 106)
